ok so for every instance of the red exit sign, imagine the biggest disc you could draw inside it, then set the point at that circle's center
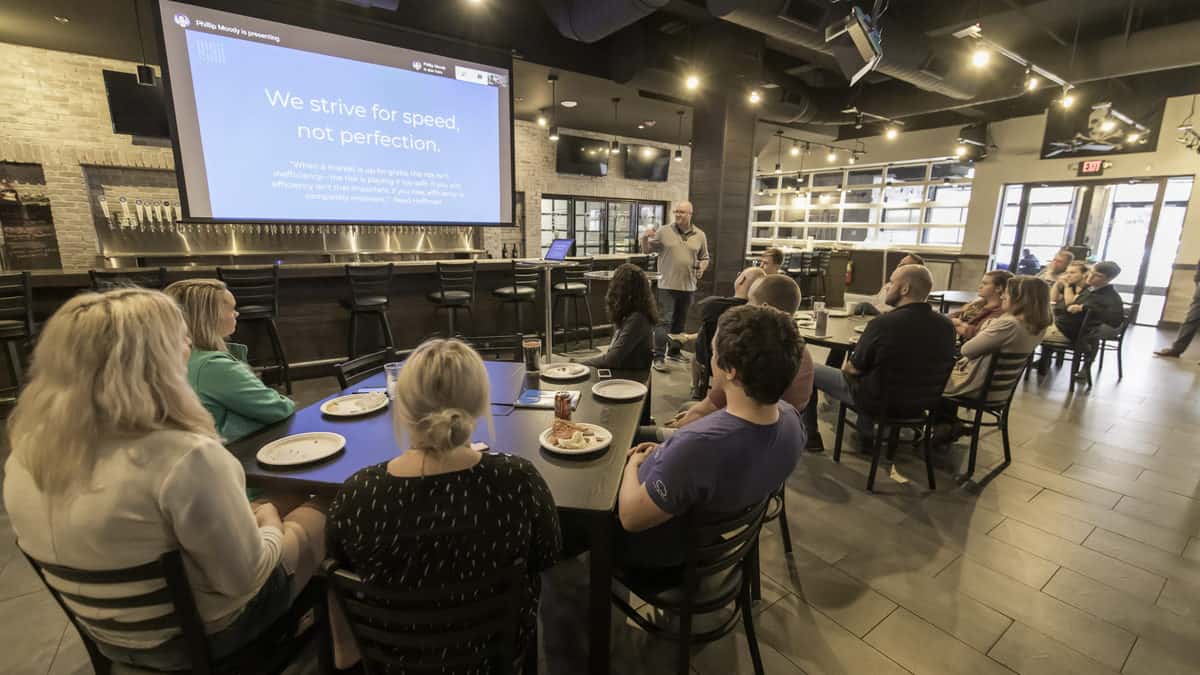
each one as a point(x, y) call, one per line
point(1091, 167)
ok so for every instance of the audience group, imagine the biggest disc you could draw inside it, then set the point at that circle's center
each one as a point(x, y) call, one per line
point(118, 439)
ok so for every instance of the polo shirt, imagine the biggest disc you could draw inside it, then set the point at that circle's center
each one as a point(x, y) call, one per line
point(677, 256)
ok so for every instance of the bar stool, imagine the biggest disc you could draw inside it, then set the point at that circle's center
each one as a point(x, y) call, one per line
point(575, 287)
point(523, 290)
point(256, 292)
point(808, 268)
point(144, 277)
point(369, 287)
point(16, 320)
point(456, 283)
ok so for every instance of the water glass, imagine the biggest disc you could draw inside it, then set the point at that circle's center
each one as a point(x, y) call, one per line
point(392, 371)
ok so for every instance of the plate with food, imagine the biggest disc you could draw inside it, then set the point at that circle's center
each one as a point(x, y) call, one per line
point(301, 448)
point(353, 405)
point(565, 371)
point(575, 438)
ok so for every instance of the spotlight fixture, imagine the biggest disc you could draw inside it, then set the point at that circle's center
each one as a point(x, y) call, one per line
point(541, 119)
point(678, 155)
point(1108, 124)
point(980, 57)
point(554, 133)
point(1068, 99)
point(831, 157)
point(62, 19)
point(855, 156)
point(755, 97)
point(795, 150)
point(1133, 137)
point(960, 151)
point(891, 133)
point(972, 143)
point(778, 167)
point(1031, 81)
point(692, 82)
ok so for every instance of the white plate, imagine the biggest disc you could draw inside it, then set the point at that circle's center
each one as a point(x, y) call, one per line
point(301, 448)
point(619, 390)
point(602, 439)
point(839, 313)
point(859, 329)
point(353, 405)
point(565, 371)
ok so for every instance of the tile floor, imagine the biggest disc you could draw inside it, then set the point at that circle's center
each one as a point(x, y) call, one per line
point(1083, 557)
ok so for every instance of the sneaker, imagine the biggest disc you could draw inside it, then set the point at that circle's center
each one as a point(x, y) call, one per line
point(661, 365)
point(1167, 352)
point(677, 358)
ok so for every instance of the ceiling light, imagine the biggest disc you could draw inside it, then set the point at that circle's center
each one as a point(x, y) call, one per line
point(648, 152)
point(824, 199)
point(831, 157)
point(795, 149)
point(1068, 99)
point(891, 133)
point(798, 201)
point(1032, 82)
point(641, 126)
point(554, 133)
point(960, 151)
point(1133, 137)
point(1108, 125)
point(853, 158)
point(980, 57)
point(678, 155)
point(62, 19)
point(778, 167)
point(614, 147)
point(755, 97)
point(541, 120)
point(569, 103)
point(692, 82)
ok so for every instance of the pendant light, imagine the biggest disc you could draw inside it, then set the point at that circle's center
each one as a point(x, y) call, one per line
point(679, 138)
point(779, 152)
point(145, 74)
point(615, 146)
point(553, 80)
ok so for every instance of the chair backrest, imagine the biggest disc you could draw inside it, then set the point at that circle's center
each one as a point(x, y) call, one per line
point(360, 368)
point(652, 263)
point(16, 299)
point(1131, 310)
point(369, 280)
point(574, 273)
point(717, 545)
point(526, 274)
point(174, 594)
point(1000, 383)
point(433, 629)
point(147, 277)
point(921, 383)
point(457, 276)
point(641, 260)
point(253, 285)
point(497, 347)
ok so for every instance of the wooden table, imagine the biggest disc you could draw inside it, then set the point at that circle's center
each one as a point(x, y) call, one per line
point(607, 275)
point(955, 298)
point(840, 336)
point(587, 486)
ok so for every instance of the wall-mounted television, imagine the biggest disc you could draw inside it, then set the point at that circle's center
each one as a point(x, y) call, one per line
point(646, 162)
point(583, 156)
point(136, 109)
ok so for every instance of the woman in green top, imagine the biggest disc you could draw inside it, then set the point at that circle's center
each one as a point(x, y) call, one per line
point(239, 402)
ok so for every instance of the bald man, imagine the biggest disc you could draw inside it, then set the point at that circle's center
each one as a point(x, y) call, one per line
point(911, 333)
point(682, 252)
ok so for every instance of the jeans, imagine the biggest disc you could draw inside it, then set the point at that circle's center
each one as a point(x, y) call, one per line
point(672, 316)
point(1191, 323)
point(833, 382)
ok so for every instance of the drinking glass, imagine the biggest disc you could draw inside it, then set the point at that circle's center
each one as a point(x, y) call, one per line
point(392, 371)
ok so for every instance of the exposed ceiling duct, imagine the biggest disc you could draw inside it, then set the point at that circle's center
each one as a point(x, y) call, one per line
point(906, 55)
point(592, 20)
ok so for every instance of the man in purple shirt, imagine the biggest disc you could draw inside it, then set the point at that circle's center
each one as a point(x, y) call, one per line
point(727, 461)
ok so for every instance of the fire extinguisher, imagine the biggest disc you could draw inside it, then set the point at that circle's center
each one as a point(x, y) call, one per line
point(849, 272)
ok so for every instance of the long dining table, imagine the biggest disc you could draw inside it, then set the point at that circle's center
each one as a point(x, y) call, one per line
point(585, 486)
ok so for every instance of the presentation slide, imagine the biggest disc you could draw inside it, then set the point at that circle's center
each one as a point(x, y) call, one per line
point(281, 123)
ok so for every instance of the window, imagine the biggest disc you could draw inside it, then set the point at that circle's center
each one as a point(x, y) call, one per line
point(600, 225)
point(904, 204)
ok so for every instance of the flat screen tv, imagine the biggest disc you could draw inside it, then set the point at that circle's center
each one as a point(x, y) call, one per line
point(136, 109)
point(583, 156)
point(646, 162)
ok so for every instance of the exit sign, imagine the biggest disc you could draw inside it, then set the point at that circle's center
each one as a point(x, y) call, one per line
point(1091, 167)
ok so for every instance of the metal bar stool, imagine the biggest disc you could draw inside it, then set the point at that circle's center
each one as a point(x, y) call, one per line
point(16, 321)
point(456, 290)
point(369, 287)
point(575, 287)
point(144, 277)
point(522, 291)
point(256, 292)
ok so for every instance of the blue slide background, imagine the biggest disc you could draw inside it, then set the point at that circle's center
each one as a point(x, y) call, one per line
point(245, 139)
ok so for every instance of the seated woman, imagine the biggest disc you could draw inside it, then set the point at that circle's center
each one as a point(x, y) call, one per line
point(633, 314)
point(1064, 291)
point(974, 315)
point(239, 402)
point(492, 509)
point(115, 462)
point(1026, 306)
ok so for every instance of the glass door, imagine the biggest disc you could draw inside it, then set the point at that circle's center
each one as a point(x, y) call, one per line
point(622, 235)
point(1164, 249)
point(589, 227)
point(1041, 219)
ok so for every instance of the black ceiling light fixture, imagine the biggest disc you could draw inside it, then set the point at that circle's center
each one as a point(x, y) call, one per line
point(145, 74)
point(553, 80)
point(779, 152)
point(615, 146)
point(679, 138)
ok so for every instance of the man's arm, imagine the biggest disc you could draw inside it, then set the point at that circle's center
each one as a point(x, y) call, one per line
point(636, 510)
point(649, 241)
point(702, 256)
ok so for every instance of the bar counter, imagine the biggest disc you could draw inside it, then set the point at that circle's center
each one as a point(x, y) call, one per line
point(314, 326)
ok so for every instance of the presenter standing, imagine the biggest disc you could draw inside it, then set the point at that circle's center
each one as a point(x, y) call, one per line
point(682, 260)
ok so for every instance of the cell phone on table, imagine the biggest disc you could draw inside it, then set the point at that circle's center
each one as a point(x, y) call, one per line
point(603, 372)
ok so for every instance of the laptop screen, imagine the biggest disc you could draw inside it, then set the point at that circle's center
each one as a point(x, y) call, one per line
point(559, 248)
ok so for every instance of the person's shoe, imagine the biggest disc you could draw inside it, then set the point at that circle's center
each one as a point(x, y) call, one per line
point(661, 366)
point(1167, 352)
point(677, 357)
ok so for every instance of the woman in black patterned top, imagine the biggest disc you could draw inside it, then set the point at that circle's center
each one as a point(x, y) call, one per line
point(442, 513)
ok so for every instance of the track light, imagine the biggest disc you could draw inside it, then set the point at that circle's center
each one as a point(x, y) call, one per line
point(1108, 124)
point(754, 97)
point(854, 157)
point(541, 120)
point(1031, 81)
point(1068, 99)
point(614, 147)
point(980, 57)
point(831, 157)
point(891, 133)
point(960, 151)
point(554, 133)
point(678, 155)
point(692, 82)
point(778, 167)
point(795, 151)
point(1133, 137)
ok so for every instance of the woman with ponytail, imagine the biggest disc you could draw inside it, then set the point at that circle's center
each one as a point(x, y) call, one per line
point(442, 512)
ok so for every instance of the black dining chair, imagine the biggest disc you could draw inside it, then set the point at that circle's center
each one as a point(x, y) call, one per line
point(521, 291)
point(92, 593)
point(1058, 349)
point(256, 292)
point(370, 286)
point(574, 287)
point(720, 562)
point(994, 398)
point(777, 511)
point(1117, 342)
point(497, 347)
point(938, 300)
point(16, 322)
point(472, 625)
point(808, 268)
point(359, 368)
point(154, 278)
point(456, 290)
point(911, 408)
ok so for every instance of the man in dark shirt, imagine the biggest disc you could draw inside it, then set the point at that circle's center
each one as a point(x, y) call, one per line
point(1104, 306)
point(1191, 323)
point(913, 333)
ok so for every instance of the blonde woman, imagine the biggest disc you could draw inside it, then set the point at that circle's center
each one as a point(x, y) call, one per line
point(239, 402)
point(115, 462)
point(490, 509)
point(1026, 305)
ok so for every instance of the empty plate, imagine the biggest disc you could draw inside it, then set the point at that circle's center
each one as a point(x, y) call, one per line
point(619, 390)
point(301, 448)
point(565, 371)
point(592, 438)
point(859, 329)
point(353, 405)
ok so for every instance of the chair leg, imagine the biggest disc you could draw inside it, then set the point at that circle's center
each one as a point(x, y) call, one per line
point(976, 427)
point(353, 347)
point(751, 636)
point(755, 563)
point(783, 522)
point(14, 364)
point(280, 357)
point(893, 443)
point(387, 329)
point(877, 450)
point(929, 452)
point(470, 319)
point(841, 429)
point(587, 306)
point(1100, 366)
point(1120, 366)
point(684, 665)
point(451, 312)
point(1003, 423)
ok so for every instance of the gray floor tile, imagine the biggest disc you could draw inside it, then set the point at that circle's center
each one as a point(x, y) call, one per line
point(1135, 528)
point(18, 578)
point(1135, 581)
point(925, 650)
point(31, 627)
point(1168, 510)
point(1148, 659)
point(72, 657)
point(817, 644)
point(1181, 597)
point(1002, 557)
point(1146, 557)
point(731, 655)
point(1063, 485)
point(1029, 652)
point(1037, 516)
point(1181, 481)
point(960, 615)
point(1108, 466)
